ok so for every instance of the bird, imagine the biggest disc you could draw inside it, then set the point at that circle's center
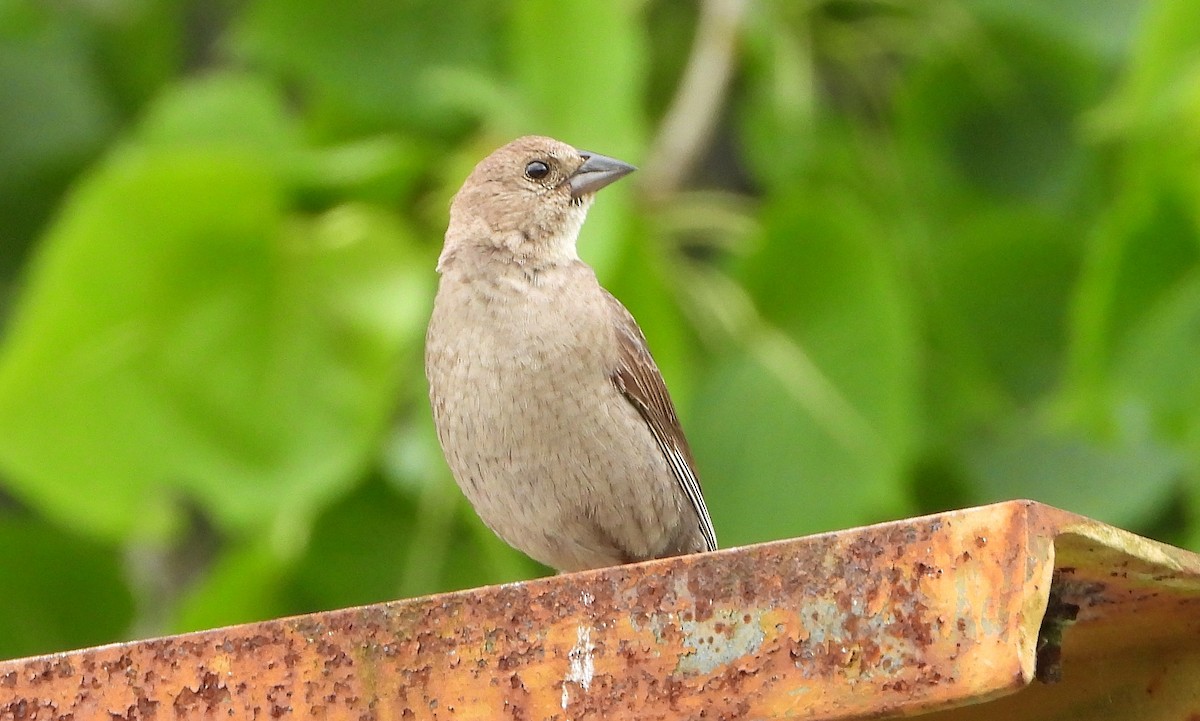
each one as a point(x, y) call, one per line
point(550, 410)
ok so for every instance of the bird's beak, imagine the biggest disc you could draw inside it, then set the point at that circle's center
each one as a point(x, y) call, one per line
point(596, 172)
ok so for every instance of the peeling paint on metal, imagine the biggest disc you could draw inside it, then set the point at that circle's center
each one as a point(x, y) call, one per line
point(720, 640)
point(581, 667)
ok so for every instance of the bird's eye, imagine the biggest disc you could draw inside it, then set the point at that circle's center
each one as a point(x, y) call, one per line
point(537, 170)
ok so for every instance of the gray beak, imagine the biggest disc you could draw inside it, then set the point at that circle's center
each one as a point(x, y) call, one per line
point(596, 172)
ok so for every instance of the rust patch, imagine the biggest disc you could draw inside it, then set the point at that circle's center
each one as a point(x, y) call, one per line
point(895, 618)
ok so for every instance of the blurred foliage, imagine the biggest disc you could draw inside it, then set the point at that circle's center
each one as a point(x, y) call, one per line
point(933, 254)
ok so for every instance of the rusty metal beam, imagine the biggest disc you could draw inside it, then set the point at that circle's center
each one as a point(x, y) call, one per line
point(918, 616)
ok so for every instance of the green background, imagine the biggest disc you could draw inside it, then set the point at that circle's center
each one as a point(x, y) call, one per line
point(925, 255)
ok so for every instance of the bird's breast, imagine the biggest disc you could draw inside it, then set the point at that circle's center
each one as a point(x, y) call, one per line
point(528, 352)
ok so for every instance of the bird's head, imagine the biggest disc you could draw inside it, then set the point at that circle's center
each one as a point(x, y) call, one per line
point(527, 201)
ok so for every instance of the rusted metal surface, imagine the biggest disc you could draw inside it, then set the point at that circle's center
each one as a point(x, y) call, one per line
point(1133, 651)
point(902, 618)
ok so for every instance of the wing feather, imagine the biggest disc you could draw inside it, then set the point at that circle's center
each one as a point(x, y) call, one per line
point(639, 380)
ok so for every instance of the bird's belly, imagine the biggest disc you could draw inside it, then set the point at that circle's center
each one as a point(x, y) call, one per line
point(550, 454)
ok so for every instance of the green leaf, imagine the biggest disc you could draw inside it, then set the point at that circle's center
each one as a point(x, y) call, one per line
point(55, 116)
point(49, 570)
point(815, 418)
point(377, 545)
point(180, 332)
point(1003, 277)
point(1155, 371)
point(1158, 99)
point(369, 65)
point(223, 110)
point(988, 120)
point(1122, 482)
point(356, 553)
point(140, 46)
point(232, 111)
point(592, 100)
point(244, 585)
point(1141, 249)
point(1103, 27)
point(1148, 238)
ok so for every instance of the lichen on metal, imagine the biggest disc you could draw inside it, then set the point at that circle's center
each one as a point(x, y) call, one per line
point(918, 616)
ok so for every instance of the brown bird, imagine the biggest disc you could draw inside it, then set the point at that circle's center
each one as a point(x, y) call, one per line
point(550, 410)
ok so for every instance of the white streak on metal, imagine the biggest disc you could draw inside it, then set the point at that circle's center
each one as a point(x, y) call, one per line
point(581, 668)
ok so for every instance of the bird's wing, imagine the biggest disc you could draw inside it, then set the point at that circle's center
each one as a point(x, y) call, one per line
point(639, 380)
